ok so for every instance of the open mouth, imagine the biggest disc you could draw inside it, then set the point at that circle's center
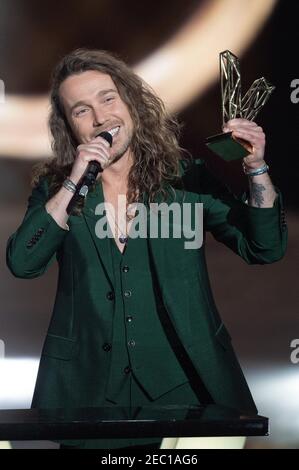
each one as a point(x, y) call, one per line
point(114, 131)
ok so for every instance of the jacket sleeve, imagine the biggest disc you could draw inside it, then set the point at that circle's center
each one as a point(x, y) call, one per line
point(258, 235)
point(31, 249)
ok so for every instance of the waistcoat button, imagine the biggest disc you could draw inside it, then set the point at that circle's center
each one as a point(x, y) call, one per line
point(110, 295)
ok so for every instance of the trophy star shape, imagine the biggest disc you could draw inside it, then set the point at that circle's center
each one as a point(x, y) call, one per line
point(235, 106)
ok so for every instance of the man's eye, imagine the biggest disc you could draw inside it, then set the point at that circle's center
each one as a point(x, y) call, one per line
point(77, 113)
point(109, 99)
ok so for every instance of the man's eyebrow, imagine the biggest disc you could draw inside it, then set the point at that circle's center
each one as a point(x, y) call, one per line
point(100, 93)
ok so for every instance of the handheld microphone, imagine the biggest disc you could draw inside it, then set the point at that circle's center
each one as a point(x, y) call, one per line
point(89, 177)
point(93, 168)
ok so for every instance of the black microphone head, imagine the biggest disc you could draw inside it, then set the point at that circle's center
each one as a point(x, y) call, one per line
point(107, 136)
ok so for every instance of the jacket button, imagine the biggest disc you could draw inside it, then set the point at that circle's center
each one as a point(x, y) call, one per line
point(129, 319)
point(30, 244)
point(131, 343)
point(125, 269)
point(107, 347)
point(127, 293)
point(127, 370)
point(110, 295)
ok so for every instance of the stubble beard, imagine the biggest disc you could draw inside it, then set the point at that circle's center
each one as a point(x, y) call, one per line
point(120, 153)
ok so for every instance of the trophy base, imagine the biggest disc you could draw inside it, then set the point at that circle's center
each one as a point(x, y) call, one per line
point(226, 147)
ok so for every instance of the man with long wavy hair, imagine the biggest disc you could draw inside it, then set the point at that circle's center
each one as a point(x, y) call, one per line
point(152, 136)
point(121, 301)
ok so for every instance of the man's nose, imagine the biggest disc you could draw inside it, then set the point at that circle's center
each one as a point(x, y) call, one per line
point(99, 117)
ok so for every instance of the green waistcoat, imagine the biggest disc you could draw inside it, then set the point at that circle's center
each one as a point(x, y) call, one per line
point(139, 344)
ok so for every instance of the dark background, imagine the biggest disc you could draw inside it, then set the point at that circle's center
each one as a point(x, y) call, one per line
point(259, 304)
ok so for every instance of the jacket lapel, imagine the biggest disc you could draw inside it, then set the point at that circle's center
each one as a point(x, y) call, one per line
point(158, 247)
point(102, 245)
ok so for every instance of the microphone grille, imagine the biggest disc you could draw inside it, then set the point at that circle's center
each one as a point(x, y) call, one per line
point(107, 136)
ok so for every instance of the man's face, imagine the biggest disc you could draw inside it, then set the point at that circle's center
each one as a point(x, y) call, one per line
point(92, 104)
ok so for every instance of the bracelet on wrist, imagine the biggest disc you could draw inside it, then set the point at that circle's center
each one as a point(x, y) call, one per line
point(68, 184)
point(257, 171)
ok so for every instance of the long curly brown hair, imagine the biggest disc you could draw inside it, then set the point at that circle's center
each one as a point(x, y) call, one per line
point(155, 147)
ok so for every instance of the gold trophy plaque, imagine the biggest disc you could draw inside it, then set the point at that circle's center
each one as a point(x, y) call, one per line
point(236, 106)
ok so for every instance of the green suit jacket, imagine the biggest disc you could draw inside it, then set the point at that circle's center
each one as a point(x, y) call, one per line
point(74, 368)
